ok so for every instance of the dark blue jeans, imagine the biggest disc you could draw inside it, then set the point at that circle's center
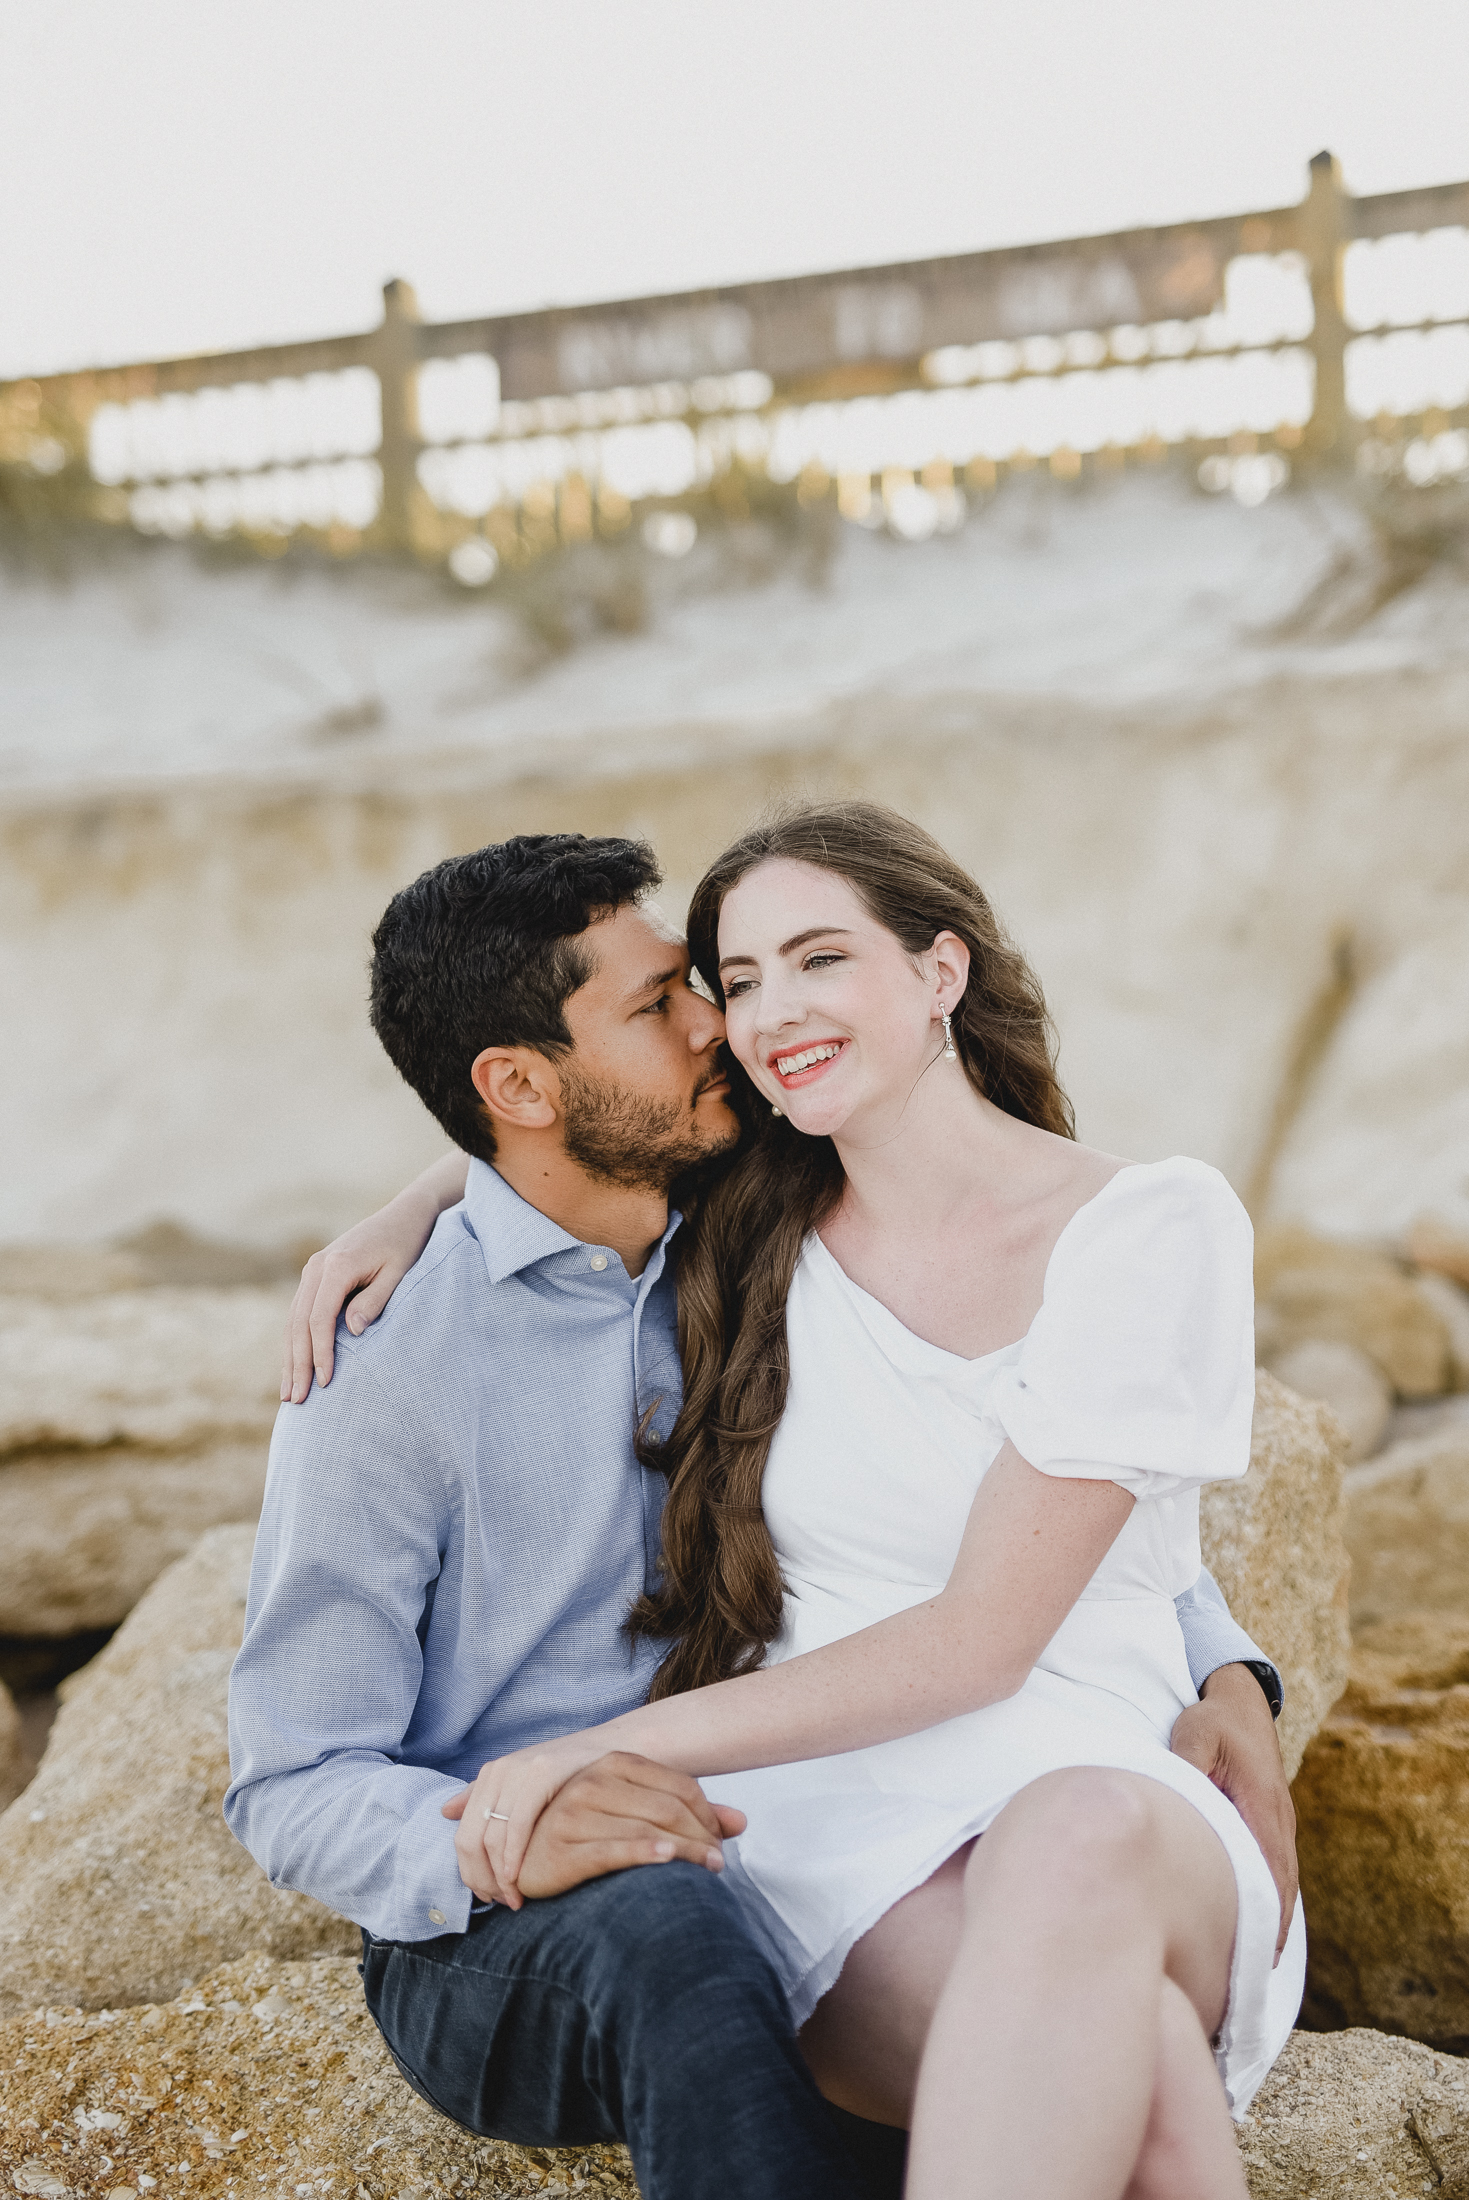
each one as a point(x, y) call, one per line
point(637, 2007)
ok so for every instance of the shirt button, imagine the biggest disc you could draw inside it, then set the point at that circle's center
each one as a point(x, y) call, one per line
point(599, 1261)
point(436, 1917)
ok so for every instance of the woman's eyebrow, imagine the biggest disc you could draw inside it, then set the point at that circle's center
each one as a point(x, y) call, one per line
point(797, 939)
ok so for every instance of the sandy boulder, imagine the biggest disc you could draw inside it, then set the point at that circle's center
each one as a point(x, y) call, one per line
point(1273, 1542)
point(132, 1421)
point(268, 2076)
point(1311, 1288)
point(271, 2075)
point(159, 1369)
point(1450, 1302)
point(119, 1880)
point(1433, 1242)
point(11, 1744)
point(1342, 1377)
point(1382, 1803)
point(84, 1534)
point(1355, 2116)
point(1407, 1527)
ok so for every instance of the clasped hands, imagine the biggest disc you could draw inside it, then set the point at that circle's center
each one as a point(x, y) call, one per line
point(545, 1819)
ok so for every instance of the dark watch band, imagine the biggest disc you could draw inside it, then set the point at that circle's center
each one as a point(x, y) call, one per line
point(1269, 1680)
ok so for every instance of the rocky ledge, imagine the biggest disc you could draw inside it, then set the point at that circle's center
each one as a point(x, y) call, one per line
point(271, 2075)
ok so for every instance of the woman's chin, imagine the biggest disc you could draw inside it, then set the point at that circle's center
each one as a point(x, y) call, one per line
point(816, 1114)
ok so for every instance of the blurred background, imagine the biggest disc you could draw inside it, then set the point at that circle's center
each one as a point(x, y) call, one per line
point(997, 415)
point(419, 426)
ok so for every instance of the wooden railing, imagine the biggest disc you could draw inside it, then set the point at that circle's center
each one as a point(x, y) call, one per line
point(764, 348)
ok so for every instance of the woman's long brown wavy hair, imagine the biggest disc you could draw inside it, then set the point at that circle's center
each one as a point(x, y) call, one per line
point(720, 1594)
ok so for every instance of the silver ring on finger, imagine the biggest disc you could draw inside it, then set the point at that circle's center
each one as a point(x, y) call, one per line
point(503, 1814)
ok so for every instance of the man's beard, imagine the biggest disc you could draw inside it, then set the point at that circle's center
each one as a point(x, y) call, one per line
point(625, 1138)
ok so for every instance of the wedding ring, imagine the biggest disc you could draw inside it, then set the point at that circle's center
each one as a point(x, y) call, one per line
point(497, 1814)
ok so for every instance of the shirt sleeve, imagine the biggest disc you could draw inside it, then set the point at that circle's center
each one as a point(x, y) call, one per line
point(1212, 1637)
point(323, 1691)
point(1139, 1368)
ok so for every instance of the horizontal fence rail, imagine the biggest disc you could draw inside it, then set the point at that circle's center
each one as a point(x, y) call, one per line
point(1334, 332)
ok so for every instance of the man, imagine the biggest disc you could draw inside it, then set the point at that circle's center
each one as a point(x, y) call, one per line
point(454, 1531)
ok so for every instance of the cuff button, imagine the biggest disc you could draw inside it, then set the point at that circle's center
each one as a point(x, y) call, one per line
point(436, 1917)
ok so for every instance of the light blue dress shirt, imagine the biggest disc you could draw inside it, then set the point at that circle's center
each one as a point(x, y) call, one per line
point(452, 1535)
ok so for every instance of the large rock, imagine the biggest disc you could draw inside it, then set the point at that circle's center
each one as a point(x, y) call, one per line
point(1273, 1542)
point(1354, 2116)
point(1450, 1301)
point(1382, 1804)
point(271, 2076)
point(1407, 1527)
point(268, 2076)
point(132, 1421)
point(1432, 1241)
point(160, 1369)
point(119, 1880)
point(11, 1741)
point(84, 1534)
point(1342, 1377)
point(1310, 1288)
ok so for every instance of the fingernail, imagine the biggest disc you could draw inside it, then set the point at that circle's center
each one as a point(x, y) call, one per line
point(714, 1858)
point(662, 1850)
point(354, 1325)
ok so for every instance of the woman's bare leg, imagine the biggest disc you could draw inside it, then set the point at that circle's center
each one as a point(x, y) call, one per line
point(865, 2039)
point(1089, 1891)
point(1188, 2150)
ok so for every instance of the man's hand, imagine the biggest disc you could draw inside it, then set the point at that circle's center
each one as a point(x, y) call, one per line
point(1231, 1737)
point(622, 1810)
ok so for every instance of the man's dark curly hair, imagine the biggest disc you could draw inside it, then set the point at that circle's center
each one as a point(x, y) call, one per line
point(485, 950)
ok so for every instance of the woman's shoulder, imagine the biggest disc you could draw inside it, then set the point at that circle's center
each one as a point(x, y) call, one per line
point(1155, 1205)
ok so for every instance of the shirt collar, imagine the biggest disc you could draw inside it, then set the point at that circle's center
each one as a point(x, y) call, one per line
point(513, 1235)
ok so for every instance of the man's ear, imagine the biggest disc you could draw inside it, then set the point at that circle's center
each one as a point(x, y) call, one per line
point(519, 1088)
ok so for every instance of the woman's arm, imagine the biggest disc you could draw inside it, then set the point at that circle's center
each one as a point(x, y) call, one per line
point(1032, 1543)
point(371, 1258)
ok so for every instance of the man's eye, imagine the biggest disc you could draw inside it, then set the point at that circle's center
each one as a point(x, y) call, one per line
point(658, 1007)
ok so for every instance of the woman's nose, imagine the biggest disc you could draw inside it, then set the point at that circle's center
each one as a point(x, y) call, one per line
point(776, 1010)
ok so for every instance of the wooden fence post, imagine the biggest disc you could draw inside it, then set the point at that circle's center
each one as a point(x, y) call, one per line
point(1324, 228)
point(395, 358)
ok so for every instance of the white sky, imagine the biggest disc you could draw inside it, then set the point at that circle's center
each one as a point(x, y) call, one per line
point(179, 177)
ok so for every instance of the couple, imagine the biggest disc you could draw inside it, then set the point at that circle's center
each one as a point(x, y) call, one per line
point(896, 1578)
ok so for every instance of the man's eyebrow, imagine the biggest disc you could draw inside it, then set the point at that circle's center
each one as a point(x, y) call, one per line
point(658, 980)
point(797, 939)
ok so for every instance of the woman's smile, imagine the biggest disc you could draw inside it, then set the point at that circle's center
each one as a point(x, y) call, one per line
point(803, 1065)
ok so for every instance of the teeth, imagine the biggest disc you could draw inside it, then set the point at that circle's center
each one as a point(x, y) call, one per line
point(790, 1065)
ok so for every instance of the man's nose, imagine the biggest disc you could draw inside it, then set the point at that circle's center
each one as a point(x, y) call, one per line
point(707, 1029)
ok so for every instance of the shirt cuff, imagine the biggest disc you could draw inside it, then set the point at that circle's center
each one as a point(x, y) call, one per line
point(430, 1898)
point(1213, 1637)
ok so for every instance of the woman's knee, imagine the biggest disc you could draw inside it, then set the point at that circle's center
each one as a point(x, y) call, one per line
point(1082, 1828)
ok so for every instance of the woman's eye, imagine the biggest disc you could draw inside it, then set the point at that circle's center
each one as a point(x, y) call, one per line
point(737, 987)
point(822, 962)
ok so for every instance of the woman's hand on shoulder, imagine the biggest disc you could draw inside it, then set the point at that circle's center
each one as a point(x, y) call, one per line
point(365, 1264)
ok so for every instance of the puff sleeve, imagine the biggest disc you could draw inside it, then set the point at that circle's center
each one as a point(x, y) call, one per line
point(1140, 1367)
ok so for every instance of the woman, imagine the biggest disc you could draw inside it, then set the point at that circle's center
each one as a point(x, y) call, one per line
point(952, 1385)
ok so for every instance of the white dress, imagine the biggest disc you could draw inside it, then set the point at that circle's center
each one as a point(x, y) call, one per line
point(1139, 1370)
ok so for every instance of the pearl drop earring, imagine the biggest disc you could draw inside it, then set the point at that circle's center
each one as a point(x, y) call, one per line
point(775, 1110)
point(951, 1052)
